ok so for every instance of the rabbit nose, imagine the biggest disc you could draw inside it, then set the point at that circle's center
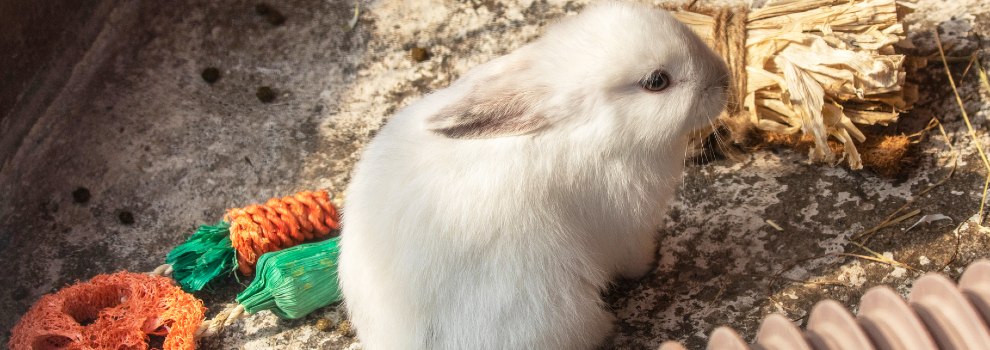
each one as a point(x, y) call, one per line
point(723, 81)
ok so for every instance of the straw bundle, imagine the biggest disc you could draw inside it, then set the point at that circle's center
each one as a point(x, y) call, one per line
point(821, 68)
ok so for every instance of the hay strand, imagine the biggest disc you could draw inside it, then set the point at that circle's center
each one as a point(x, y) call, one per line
point(969, 125)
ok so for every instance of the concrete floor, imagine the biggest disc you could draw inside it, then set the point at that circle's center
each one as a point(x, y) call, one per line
point(137, 126)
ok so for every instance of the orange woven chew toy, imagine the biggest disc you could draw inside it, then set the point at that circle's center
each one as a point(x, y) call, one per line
point(278, 224)
point(118, 311)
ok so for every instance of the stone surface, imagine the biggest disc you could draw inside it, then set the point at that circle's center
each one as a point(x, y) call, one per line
point(138, 127)
point(40, 41)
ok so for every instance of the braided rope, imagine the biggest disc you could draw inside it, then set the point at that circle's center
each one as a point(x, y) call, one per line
point(278, 224)
point(164, 270)
point(223, 319)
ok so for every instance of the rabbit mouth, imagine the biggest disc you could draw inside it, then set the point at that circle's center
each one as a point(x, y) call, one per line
point(698, 135)
point(712, 106)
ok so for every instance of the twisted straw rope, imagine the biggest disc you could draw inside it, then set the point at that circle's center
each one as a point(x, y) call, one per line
point(220, 321)
point(730, 42)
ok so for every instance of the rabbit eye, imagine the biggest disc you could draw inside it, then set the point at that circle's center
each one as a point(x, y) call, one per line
point(656, 81)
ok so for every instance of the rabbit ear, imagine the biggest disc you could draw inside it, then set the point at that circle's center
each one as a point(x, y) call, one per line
point(493, 108)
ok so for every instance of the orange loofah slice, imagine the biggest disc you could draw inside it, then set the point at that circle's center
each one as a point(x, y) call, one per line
point(278, 224)
point(118, 311)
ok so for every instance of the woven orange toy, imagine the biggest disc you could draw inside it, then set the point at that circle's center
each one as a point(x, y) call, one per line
point(278, 224)
point(118, 311)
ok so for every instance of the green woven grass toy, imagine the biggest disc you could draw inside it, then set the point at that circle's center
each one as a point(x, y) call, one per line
point(295, 281)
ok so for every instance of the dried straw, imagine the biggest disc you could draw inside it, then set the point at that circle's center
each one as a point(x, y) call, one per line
point(820, 68)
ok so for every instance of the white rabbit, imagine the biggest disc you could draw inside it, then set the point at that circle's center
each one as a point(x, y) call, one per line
point(492, 213)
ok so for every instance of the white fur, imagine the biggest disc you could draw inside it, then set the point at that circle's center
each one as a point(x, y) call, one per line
point(506, 241)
